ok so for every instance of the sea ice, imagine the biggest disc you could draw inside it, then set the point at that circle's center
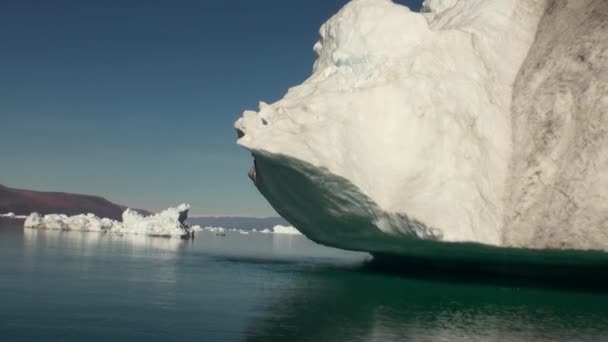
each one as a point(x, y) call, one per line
point(278, 229)
point(215, 229)
point(13, 216)
point(169, 222)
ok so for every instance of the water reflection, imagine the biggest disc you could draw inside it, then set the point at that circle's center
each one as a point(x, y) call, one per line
point(334, 305)
point(261, 287)
point(89, 243)
point(93, 257)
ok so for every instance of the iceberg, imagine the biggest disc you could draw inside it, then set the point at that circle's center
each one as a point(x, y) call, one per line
point(169, 222)
point(289, 230)
point(446, 126)
point(12, 215)
point(215, 229)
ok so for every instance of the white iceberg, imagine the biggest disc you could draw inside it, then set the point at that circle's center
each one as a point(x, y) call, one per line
point(407, 129)
point(215, 229)
point(278, 229)
point(169, 222)
point(12, 215)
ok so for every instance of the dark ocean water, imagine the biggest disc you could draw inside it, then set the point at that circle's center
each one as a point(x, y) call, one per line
point(70, 286)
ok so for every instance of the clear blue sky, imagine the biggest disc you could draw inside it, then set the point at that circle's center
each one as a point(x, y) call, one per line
point(135, 100)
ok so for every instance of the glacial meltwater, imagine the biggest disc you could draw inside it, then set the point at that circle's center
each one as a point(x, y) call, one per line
point(75, 286)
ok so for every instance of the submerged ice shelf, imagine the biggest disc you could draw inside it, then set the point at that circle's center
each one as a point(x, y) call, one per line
point(449, 125)
point(169, 222)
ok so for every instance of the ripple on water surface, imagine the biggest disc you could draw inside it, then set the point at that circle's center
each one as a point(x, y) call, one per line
point(265, 287)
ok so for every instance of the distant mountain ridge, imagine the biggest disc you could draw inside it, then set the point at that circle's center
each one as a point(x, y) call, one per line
point(24, 202)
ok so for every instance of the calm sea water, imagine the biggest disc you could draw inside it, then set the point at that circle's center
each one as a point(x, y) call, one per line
point(72, 286)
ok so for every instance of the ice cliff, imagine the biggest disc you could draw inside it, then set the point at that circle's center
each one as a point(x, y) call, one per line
point(559, 168)
point(473, 121)
point(169, 222)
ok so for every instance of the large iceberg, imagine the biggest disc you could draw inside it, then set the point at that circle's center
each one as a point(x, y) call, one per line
point(457, 124)
point(169, 222)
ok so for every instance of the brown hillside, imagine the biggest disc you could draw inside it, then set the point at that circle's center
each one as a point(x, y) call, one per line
point(24, 202)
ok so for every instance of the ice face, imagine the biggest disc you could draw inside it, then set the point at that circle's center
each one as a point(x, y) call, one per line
point(404, 130)
point(559, 172)
point(169, 222)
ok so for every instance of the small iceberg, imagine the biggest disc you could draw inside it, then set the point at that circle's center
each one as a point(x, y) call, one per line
point(169, 222)
point(12, 215)
point(215, 229)
point(278, 229)
point(219, 231)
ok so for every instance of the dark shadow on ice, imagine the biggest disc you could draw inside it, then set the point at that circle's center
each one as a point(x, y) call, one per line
point(327, 208)
point(332, 211)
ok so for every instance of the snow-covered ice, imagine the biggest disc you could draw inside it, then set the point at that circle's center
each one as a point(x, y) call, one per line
point(278, 229)
point(13, 216)
point(215, 229)
point(406, 130)
point(169, 222)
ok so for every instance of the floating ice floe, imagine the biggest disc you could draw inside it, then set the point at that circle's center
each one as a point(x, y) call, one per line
point(215, 229)
point(278, 229)
point(169, 222)
point(13, 216)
